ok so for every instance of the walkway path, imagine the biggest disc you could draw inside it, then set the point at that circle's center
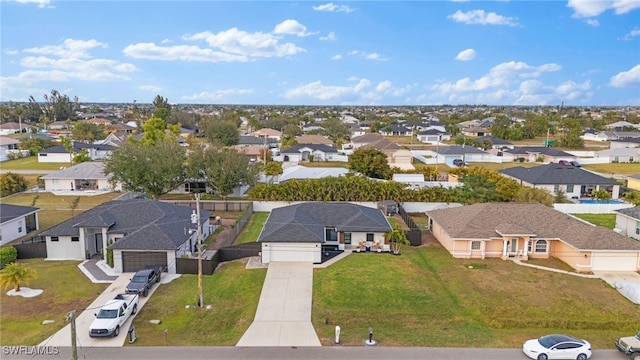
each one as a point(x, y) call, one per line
point(283, 317)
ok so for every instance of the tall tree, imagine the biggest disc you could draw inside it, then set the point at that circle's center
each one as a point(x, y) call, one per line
point(224, 133)
point(155, 129)
point(370, 162)
point(151, 168)
point(222, 169)
point(335, 129)
point(87, 132)
point(162, 108)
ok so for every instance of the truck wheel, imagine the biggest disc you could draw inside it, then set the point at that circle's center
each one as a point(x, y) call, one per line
point(116, 332)
point(135, 309)
point(145, 292)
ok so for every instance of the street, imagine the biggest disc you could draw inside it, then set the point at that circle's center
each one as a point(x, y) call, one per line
point(311, 353)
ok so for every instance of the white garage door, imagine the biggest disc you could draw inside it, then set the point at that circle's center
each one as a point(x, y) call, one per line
point(292, 252)
point(614, 261)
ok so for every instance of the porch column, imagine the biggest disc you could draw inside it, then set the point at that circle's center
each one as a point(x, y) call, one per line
point(505, 247)
point(526, 246)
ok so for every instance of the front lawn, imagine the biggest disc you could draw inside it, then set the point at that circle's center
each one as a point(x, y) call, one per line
point(606, 220)
point(427, 298)
point(65, 288)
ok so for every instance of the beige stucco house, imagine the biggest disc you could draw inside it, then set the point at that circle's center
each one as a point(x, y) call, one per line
point(527, 230)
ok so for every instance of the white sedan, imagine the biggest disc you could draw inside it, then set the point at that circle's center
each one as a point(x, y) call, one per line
point(557, 346)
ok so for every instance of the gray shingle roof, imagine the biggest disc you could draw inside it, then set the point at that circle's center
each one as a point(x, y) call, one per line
point(633, 212)
point(295, 149)
point(9, 212)
point(481, 222)
point(459, 150)
point(146, 224)
point(557, 174)
point(306, 222)
point(90, 170)
point(525, 150)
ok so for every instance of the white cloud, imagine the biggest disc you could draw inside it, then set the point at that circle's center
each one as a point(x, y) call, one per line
point(291, 27)
point(368, 56)
point(70, 48)
point(337, 57)
point(150, 88)
point(626, 78)
point(241, 43)
point(331, 7)
point(330, 37)
point(359, 92)
point(632, 34)
point(482, 18)
point(40, 3)
point(591, 8)
point(593, 22)
point(466, 55)
point(151, 51)
point(219, 95)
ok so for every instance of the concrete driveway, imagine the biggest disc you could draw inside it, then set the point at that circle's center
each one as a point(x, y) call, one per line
point(283, 317)
point(85, 318)
point(610, 277)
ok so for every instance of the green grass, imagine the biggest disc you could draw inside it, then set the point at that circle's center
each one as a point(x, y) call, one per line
point(324, 164)
point(253, 228)
point(426, 298)
point(31, 163)
point(606, 220)
point(65, 288)
point(613, 168)
point(234, 293)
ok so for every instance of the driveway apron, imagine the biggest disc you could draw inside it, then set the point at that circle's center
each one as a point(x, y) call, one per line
point(283, 317)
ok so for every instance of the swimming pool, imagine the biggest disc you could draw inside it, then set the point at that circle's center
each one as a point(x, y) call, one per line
point(594, 201)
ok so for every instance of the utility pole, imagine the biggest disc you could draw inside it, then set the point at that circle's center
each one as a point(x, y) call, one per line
point(74, 349)
point(199, 235)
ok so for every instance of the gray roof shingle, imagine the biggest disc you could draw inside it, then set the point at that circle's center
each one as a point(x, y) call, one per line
point(9, 212)
point(306, 222)
point(557, 174)
point(633, 212)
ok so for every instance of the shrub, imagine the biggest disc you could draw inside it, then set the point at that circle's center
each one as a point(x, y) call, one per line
point(11, 183)
point(8, 254)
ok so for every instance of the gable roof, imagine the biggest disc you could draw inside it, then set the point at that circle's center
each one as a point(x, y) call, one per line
point(9, 212)
point(86, 170)
point(306, 222)
point(632, 212)
point(313, 139)
point(487, 221)
point(255, 140)
point(77, 147)
point(556, 174)
point(494, 140)
point(459, 150)
point(295, 149)
point(145, 224)
point(5, 140)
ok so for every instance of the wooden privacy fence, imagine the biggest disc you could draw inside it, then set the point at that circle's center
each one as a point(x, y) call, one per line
point(414, 235)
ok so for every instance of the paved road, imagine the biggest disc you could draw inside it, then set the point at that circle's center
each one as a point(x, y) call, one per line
point(310, 353)
point(27, 172)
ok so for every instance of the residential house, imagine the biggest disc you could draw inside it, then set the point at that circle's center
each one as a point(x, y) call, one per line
point(433, 136)
point(8, 146)
point(530, 230)
point(269, 133)
point(300, 232)
point(81, 178)
point(536, 154)
point(255, 153)
point(396, 130)
point(397, 156)
point(246, 140)
point(625, 143)
point(99, 121)
point(59, 154)
point(475, 131)
point(309, 152)
point(621, 125)
point(619, 155)
point(59, 125)
point(17, 221)
point(9, 128)
point(447, 154)
point(314, 139)
point(496, 142)
point(573, 182)
point(141, 233)
point(628, 222)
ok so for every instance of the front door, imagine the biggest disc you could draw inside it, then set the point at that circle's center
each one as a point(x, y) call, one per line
point(514, 246)
point(98, 240)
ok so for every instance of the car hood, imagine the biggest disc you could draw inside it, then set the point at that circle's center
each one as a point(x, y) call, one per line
point(135, 286)
point(104, 324)
point(533, 345)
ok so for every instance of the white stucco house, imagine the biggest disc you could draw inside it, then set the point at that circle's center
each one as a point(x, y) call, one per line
point(628, 222)
point(16, 221)
point(81, 178)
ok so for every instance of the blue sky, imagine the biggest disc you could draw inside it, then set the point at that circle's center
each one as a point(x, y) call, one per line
point(580, 52)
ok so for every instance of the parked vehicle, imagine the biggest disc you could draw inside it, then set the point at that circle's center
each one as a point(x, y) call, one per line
point(576, 164)
point(143, 280)
point(557, 346)
point(113, 315)
point(565, 162)
point(459, 162)
point(629, 345)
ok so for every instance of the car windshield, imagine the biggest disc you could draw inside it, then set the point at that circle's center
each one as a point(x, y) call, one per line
point(139, 278)
point(551, 340)
point(107, 314)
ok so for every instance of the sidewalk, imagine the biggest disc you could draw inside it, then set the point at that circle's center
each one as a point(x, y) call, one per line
point(283, 317)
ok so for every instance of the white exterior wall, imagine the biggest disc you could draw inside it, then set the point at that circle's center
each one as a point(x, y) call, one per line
point(12, 230)
point(628, 225)
point(308, 252)
point(590, 208)
point(56, 158)
point(362, 236)
point(65, 249)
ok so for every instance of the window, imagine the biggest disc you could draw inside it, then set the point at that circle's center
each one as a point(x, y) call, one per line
point(331, 234)
point(75, 238)
point(529, 245)
point(54, 238)
point(19, 226)
point(369, 237)
point(556, 188)
point(347, 238)
point(638, 228)
point(570, 188)
point(475, 245)
point(541, 246)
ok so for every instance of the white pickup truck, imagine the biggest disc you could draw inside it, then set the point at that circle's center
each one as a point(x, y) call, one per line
point(113, 315)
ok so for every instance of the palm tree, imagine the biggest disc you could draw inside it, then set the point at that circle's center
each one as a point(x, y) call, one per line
point(14, 274)
point(397, 237)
